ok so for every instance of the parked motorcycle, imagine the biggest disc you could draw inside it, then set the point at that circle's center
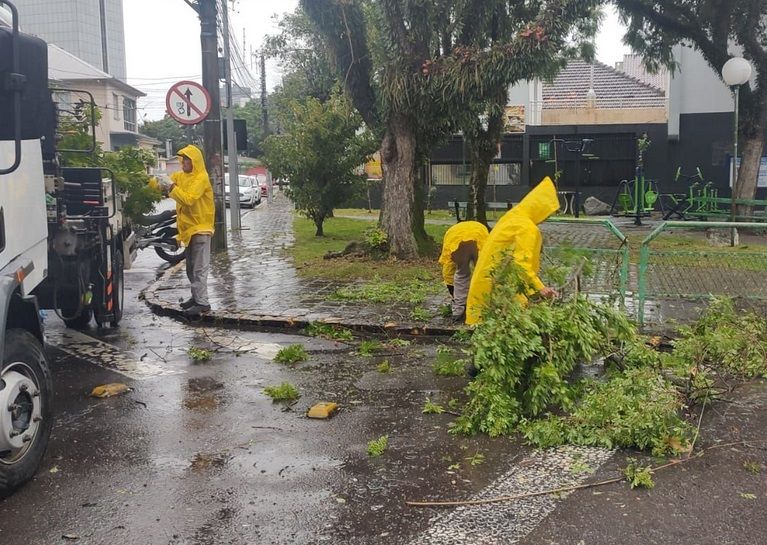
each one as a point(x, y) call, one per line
point(159, 231)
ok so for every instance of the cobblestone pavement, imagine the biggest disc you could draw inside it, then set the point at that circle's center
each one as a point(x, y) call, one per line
point(254, 283)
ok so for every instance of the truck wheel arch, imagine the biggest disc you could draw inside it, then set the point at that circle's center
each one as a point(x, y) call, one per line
point(17, 311)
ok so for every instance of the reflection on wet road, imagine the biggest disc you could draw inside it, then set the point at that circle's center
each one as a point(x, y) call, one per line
point(197, 454)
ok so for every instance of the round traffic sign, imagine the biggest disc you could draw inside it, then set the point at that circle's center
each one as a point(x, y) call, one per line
point(188, 102)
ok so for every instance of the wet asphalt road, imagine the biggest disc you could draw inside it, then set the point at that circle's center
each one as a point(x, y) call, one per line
point(197, 454)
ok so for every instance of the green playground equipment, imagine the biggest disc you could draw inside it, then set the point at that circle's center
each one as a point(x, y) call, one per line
point(636, 197)
point(702, 201)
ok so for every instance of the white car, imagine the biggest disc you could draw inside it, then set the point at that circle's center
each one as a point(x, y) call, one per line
point(250, 194)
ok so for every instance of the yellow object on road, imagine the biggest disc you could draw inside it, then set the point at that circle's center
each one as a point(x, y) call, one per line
point(516, 232)
point(193, 194)
point(322, 410)
point(465, 231)
point(109, 390)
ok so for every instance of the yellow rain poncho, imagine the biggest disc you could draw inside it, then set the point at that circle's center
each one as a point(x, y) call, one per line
point(466, 231)
point(517, 231)
point(194, 198)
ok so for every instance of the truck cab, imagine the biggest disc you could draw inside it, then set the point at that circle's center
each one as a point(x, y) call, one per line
point(62, 246)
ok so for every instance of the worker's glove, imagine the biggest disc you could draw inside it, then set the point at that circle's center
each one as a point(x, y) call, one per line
point(451, 289)
point(165, 183)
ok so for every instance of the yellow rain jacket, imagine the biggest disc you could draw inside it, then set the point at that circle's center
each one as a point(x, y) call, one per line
point(465, 231)
point(517, 232)
point(194, 198)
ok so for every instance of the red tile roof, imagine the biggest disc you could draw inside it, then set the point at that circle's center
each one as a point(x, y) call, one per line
point(613, 88)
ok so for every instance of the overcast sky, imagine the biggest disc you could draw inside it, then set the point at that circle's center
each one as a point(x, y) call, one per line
point(163, 44)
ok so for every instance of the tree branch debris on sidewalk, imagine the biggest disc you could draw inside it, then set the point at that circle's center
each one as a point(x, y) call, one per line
point(577, 372)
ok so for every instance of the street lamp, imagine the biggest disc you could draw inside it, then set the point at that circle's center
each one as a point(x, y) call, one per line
point(735, 73)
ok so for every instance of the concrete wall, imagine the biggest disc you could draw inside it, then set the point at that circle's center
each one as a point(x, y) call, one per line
point(695, 88)
point(603, 116)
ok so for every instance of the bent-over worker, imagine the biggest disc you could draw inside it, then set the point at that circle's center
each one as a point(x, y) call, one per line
point(460, 250)
point(516, 232)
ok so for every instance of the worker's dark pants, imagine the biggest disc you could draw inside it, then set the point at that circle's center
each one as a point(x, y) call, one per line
point(463, 257)
point(197, 267)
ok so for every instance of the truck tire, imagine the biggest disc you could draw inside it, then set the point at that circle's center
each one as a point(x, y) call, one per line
point(79, 322)
point(25, 385)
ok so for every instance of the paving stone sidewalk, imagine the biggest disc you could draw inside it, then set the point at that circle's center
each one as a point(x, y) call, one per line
point(255, 284)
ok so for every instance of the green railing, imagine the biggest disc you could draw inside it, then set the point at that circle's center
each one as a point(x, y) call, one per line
point(607, 250)
point(677, 269)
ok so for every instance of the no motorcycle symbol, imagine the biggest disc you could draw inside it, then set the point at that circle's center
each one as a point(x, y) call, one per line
point(188, 102)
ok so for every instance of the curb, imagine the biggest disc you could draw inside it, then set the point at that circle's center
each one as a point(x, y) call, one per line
point(162, 308)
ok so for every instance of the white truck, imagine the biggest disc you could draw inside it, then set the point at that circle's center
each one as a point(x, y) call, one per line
point(62, 247)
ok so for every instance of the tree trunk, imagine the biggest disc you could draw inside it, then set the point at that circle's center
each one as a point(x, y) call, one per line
point(402, 207)
point(480, 167)
point(318, 224)
point(748, 173)
point(483, 147)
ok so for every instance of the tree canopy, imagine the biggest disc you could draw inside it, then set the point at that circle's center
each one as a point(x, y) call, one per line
point(718, 29)
point(411, 66)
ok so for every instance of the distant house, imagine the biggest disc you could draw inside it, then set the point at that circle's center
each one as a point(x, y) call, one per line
point(687, 115)
point(596, 94)
point(114, 98)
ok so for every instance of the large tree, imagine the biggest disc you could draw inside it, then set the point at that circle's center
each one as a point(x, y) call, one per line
point(394, 60)
point(715, 28)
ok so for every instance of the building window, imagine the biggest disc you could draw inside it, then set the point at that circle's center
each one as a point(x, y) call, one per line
point(116, 106)
point(129, 114)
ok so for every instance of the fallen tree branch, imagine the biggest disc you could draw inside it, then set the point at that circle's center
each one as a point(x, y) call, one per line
point(573, 487)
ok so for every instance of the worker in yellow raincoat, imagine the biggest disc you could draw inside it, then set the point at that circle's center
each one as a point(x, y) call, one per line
point(460, 250)
point(516, 232)
point(195, 211)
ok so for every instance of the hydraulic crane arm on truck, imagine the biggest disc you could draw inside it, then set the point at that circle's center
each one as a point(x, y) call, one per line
point(62, 247)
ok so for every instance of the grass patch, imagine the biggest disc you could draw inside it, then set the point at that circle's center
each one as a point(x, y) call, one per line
point(447, 365)
point(199, 354)
point(420, 314)
point(290, 355)
point(369, 348)
point(329, 331)
point(413, 291)
point(384, 367)
point(376, 447)
point(373, 214)
point(282, 392)
point(308, 252)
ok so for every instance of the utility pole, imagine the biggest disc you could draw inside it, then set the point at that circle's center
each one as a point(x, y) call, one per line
point(264, 111)
point(231, 137)
point(212, 124)
point(265, 123)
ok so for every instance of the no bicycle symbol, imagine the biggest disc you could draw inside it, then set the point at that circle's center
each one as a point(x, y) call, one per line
point(188, 102)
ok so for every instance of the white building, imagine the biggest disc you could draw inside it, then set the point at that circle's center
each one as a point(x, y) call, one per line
point(92, 30)
point(115, 99)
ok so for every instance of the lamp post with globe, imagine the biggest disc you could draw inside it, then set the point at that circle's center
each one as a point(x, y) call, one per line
point(735, 73)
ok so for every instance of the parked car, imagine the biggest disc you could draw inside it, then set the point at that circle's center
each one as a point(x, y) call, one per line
point(250, 195)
